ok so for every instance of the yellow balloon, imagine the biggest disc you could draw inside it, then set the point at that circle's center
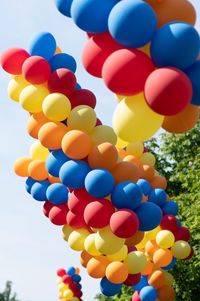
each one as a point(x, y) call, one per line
point(38, 151)
point(32, 97)
point(120, 143)
point(108, 243)
point(169, 279)
point(77, 238)
point(165, 239)
point(68, 294)
point(82, 118)
point(75, 299)
point(90, 245)
point(136, 261)
point(63, 287)
point(120, 255)
point(119, 97)
point(134, 121)
point(181, 249)
point(56, 107)
point(135, 148)
point(103, 133)
point(66, 231)
point(148, 158)
point(153, 233)
point(15, 87)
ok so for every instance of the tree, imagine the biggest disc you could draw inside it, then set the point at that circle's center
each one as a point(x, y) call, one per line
point(6, 295)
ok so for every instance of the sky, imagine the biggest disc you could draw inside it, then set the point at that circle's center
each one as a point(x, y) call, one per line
point(31, 248)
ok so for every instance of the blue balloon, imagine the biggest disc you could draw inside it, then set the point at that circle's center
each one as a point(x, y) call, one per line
point(78, 87)
point(149, 215)
point(170, 207)
point(29, 183)
point(73, 172)
point(132, 23)
point(193, 73)
point(62, 60)
point(38, 190)
point(79, 286)
point(171, 265)
point(178, 222)
point(54, 162)
point(126, 195)
point(71, 271)
point(108, 288)
point(143, 282)
point(145, 186)
point(99, 183)
point(158, 196)
point(43, 44)
point(57, 194)
point(64, 7)
point(175, 45)
point(92, 15)
point(148, 293)
point(76, 278)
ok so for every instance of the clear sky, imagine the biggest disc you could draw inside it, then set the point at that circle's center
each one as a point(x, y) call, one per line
point(31, 248)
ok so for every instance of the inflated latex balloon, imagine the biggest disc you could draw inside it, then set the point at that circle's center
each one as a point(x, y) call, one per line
point(62, 81)
point(84, 258)
point(126, 70)
point(117, 272)
point(29, 183)
point(158, 196)
point(35, 122)
point(120, 255)
point(149, 216)
point(136, 296)
point(176, 45)
point(158, 182)
point(125, 171)
point(21, 166)
point(143, 282)
point(38, 151)
point(92, 15)
point(82, 118)
point(36, 70)
point(132, 159)
point(82, 97)
point(147, 172)
point(148, 158)
point(170, 207)
point(145, 186)
point(66, 231)
point(193, 73)
point(78, 200)
point(56, 107)
point(181, 249)
point(151, 247)
point(43, 44)
point(54, 162)
point(12, 60)
point(133, 120)
point(108, 288)
point(162, 257)
point(62, 60)
point(75, 221)
point(136, 262)
point(127, 26)
point(96, 266)
point(57, 193)
point(166, 293)
point(135, 148)
point(58, 214)
point(90, 245)
point(165, 239)
point(168, 91)
point(103, 133)
point(135, 239)
point(132, 279)
point(37, 170)
point(64, 7)
point(182, 233)
point(169, 222)
point(148, 293)
point(15, 87)
point(77, 238)
point(39, 189)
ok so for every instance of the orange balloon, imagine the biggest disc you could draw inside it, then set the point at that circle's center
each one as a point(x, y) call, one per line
point(53, 179)
point(117, 272)
point(135, 239)
point(58, 50)
point(162, 257)
point(182, 122)
point(77, 270)
point(166, 293)
point(84, 258)
point(36, 120)
point(133, 159)
point(51, 134)
point(96, 266)
point(148, 269)
point(158, 182)
point(125, 171)
point(103, 155)
point(147, 172)
point(122, 153)
point(37, 170)
point(151, 247)
point(157, 279)
point(21, 166)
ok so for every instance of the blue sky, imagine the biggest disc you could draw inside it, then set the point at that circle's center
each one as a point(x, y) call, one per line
point(31, 247)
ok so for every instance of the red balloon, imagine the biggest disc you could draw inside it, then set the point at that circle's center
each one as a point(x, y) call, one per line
point(36, 70)
point(98, 122)
point(73, 286)
point(169, 222)
point(75, 221)
point(67, 279)
point(126, 70)
point(96, 51)
point(58, 214)
point(124, 223)
point(82, 97)
point(191, 254)
point(47, 207)
point(62, 81)
point(12, 60)
point(168, 91)
point(89, 34)
point(131, 249)
point(182, 233)
point(61, 272)
point(97, 214)
point(78, 294)
point(132, 279)
point(78, 200)
point(136, 296)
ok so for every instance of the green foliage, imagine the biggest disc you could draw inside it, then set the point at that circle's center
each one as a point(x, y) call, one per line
point(7, 293)
point(124, 295)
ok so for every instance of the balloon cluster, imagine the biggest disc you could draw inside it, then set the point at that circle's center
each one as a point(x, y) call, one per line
point(146, 52)
point(69, 284)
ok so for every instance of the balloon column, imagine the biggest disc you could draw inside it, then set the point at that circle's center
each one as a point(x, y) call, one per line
point(146, 53)
point(69, 284)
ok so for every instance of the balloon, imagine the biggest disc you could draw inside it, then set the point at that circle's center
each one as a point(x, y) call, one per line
point(60, 272)
point(151, 247)
point(108, 288)
point(183, 121)
point(190, 255)
point(136, 296)
point(43, 44)
point(168, 91)
point(170, 207)
point(126, 70)
point(72, 174)
point(135, 239)
point(21, 166)
point(148, 158)
point(92, 15)
point(57, 214)
point(29, 184)
point(152, 234)
point(68, 294)
point(162, 257)
point(156, 279)
point(76, 239)
point(149, 216)
point(78, 200)
point(143, 282)
point(89, 245)
point(166, 293)
point(62, 81)
point(148, 293)
point(171, 265)
point(76, 278)
point(62, 60)
point(149, 268)
point(66, 231)
point(82, 97)
point(132, 279)
point(125, 171)
point(46, 208)
point(133, 120)
point(54, 162)
point(158, 182)
point(38, 151)
point(182, 233)
point(37, 170)
point(158, 196)
point(124, 223)
point(99, 183)
point(103, 133)
point(136, 262)
point(75, 221)
point(97, 214)
point(135, 148)
point(56, 107)
point(117, 272)
point(193, 73)
point(169, 222)
point(181, 249)
point(39, 189)
point(126, 23)
point(12, 59)
point(96, 266)
point(176, 45)
point(64, 7)
point(82, 118)
point(57, 193)
point(36, 120)
point(132, 159)
point(120, 255)
point(51, 134)
point(145, 186)
point(126, 195)
point(32, 97)
point(84, 258)
point(15, 87)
